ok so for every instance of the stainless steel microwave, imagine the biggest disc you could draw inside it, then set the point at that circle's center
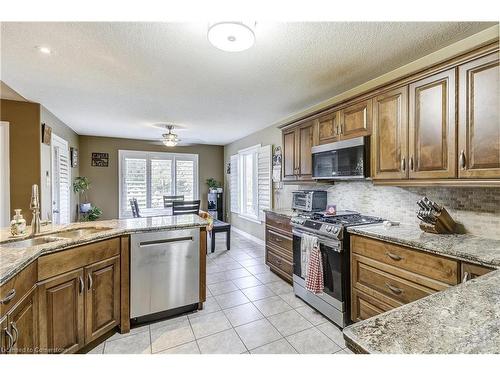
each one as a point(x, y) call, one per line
point(340, 160)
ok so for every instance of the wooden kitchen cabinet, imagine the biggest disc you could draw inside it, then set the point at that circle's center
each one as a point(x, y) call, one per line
point(327, 129)
point(471, 271)
point(390, 135)
point(4, 340)
point(432, 127)
point(22, 322)
point(356, 120)
point(279, 245)
point(61, 313)
point(297, 157)
point(479, 121)
point(102, 297)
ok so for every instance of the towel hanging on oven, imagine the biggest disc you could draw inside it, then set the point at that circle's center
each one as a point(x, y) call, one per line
point(307, 242)
point(314, 277)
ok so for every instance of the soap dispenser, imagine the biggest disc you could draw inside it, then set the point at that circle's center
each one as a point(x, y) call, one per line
point(18, 224)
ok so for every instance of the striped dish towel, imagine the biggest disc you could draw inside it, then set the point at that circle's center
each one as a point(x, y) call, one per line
point(314, 276)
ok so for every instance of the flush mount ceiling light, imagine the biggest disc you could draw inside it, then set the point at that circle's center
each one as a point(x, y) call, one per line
point(44, 50)
point(231, 36)
point(170, 139)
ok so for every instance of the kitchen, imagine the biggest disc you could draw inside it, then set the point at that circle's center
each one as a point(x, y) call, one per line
point(363, 219)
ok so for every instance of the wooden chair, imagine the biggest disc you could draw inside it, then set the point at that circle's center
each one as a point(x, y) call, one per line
point(168, 199)
point(185, 207)
point(135, 207)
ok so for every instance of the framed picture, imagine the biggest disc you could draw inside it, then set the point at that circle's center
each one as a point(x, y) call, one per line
point(46, 134)
point(100, 159)
point(74, 157)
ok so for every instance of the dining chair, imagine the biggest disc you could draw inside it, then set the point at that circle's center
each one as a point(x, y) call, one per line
point(185, 207)
point(135, 207)
point(168, 199)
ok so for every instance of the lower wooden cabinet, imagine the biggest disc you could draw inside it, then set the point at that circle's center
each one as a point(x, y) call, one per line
point(471, 271)
point(102, 298)
point(4, 343)
point(364, 306)
point(61, 313)
point(279, 245)
point(22, 322)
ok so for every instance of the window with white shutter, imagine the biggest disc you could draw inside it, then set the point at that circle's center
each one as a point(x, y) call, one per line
point(61, 176)
point(264, 180)
point(235, 194)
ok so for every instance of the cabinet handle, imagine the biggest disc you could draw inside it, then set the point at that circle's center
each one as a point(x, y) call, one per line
point(403, 164)
point(411, 163)
point(462, 159)
point(393, 256)
point(81, 284)
point(341, 126)
point(8, 297)
point(13, 326)
point(89, 277)
point(11, 339)
point(394, 289)
point(466, 277)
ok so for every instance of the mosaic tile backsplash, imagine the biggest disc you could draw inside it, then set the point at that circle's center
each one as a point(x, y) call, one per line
point(476, 209)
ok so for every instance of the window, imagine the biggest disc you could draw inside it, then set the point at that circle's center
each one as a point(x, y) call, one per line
point(251, 182)
point(148, 176)
point(60, 180)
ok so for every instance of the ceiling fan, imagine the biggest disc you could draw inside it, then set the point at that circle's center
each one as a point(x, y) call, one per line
point(171, 139)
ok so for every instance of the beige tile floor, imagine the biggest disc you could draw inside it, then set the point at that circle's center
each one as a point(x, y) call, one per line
point(248, 310)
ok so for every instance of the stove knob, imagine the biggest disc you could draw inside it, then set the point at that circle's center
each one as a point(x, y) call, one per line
point(336, 230)
point(328, 228)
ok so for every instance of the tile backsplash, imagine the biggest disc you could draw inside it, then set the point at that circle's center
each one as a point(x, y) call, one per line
point(476, 209)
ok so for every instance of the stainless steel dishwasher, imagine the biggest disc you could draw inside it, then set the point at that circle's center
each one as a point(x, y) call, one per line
point(164, 271)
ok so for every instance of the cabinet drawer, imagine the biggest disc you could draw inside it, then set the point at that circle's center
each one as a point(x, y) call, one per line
point(14, 289)
point(277, 261)
point(277, 239)
point(279, 222)
point(432, 266)
point(77, 257)
point(364, 306)
point(367, 277)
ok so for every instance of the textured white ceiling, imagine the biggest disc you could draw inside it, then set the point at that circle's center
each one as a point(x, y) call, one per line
point(119, 79)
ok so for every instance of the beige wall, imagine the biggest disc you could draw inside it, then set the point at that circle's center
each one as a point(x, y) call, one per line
point(267, 136)
point(104, 190)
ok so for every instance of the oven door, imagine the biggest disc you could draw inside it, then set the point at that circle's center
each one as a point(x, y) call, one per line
point(332, 257)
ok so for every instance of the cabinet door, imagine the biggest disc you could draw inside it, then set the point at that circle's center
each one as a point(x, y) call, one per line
point(289, 155)
point(479, 121)
point(61, 318)
point(23, 324)
point(432, 147)
point(356, 120)
point(471, 271)
point(304, 142)
point(328, 128)
point(4, 339)
point(102, 297)
point(390, 135)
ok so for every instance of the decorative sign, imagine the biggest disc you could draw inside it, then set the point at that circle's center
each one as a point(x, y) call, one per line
point(100, 159)
point(228, 168)
point(46, 134)
point(74, 157)
point(277, 164)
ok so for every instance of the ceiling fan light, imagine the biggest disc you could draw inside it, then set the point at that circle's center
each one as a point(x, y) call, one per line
point(231, 36)
point(170, 139)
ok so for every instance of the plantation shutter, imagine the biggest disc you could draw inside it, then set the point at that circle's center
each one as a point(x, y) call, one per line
point(235, 191)
point(264, 180)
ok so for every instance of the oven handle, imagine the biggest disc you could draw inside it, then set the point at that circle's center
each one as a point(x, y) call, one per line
point(333, 244)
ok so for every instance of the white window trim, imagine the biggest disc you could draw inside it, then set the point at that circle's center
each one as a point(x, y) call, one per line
point(58, 141)
point(153, 155)
point(255, 151)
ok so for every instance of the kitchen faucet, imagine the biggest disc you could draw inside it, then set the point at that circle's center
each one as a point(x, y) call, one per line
point(35, 208)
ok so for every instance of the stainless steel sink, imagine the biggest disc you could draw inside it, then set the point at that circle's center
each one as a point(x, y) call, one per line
point(77, 233)
point(30, 242)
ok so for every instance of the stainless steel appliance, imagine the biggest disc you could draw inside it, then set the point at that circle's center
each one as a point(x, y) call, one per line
point(164, 271)
point(309, 200)
point(334, 302)
point(345, 160)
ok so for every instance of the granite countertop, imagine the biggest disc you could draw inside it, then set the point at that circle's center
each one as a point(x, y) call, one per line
point(462, 319)
point(283, 212)
point(466, 247)
point(13, 260)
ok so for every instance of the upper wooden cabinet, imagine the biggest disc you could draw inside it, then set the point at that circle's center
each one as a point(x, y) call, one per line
point(356, 120)
point(390, 135)
point(327, 129)
point(432, 127)
point(297, 157)
point(479, 122)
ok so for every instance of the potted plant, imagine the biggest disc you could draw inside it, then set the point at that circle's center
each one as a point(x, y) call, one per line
point(214, 186)
point(89, 212)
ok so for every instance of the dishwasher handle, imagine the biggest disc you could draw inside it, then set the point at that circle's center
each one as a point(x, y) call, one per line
point(165, 240)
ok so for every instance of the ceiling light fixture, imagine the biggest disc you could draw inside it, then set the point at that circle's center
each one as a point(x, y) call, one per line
point(45, 50)
point(170, 139)
point(231, 36)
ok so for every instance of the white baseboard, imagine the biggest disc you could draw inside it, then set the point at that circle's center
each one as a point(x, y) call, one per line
point(248, 235)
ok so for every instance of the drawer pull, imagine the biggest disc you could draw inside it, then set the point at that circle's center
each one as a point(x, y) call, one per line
point(277, 239)
point(466, 277)
point(8, 297)
point(393, 256)
point(80, 279)
point(394, 289)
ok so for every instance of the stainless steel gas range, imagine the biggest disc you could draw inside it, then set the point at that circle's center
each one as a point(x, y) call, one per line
point(334, 302)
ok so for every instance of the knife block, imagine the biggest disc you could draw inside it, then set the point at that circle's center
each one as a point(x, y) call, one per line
point(444, 224)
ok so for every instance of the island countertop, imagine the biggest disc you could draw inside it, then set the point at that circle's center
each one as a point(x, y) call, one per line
point(465, 247)
point(462, 319)
point(13, 260)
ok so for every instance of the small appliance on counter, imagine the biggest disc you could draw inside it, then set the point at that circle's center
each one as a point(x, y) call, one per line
point(309, 200)
point(434, 218)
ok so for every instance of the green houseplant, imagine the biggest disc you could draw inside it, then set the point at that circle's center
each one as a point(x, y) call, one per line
point(213, 184)
point(87, 211)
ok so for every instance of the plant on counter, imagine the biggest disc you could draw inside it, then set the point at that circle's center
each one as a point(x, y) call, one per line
point(213, 184)
point(81, 185)
point(92, 215)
